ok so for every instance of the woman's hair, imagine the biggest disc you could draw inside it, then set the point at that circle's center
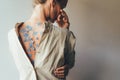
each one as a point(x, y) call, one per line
point(62, 3)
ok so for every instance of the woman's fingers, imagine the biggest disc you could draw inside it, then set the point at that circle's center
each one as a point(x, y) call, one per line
point(62, 71)
point(60, 68)
point(58, 18)
point(62, 19)
point(59, 72)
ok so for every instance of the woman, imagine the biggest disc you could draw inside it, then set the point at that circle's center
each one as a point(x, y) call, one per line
point(41, 50)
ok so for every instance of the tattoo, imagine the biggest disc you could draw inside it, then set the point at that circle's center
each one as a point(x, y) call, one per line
point(28, 50)
point(38, 24)
point(41, 32)
point(31, 46)
point(30, 55)
point(37, 45)
point(29, 28)
point(28, 34)
point(37, 38)
point(35, 33)
point(25, 35)
point(23, 30)
point(26, 39)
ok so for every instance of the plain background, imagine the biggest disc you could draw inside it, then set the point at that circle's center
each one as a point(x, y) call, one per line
point(96, 25)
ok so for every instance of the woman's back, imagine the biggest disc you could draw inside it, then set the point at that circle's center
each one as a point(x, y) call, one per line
point(30, 38)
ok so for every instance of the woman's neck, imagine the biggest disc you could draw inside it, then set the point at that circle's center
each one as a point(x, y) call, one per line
point(38, 15)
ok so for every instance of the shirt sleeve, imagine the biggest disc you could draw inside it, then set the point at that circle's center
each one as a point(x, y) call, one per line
point(69, 49)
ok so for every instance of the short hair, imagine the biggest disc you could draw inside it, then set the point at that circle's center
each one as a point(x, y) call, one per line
point(62, 3)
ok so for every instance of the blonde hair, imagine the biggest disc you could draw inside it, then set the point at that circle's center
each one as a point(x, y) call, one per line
point(62, 3)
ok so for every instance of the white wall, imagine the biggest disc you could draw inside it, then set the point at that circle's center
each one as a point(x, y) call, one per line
point(11, 12)
point(96, 24)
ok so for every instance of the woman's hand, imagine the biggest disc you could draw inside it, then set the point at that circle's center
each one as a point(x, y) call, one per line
point(61, 72)
point(63, 20)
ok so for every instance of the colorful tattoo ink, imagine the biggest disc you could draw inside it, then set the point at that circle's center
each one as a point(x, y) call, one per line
point(35, 33)
point(31, 38)
point(29, 28)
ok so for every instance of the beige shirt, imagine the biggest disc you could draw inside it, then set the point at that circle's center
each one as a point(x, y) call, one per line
point(55, 50)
